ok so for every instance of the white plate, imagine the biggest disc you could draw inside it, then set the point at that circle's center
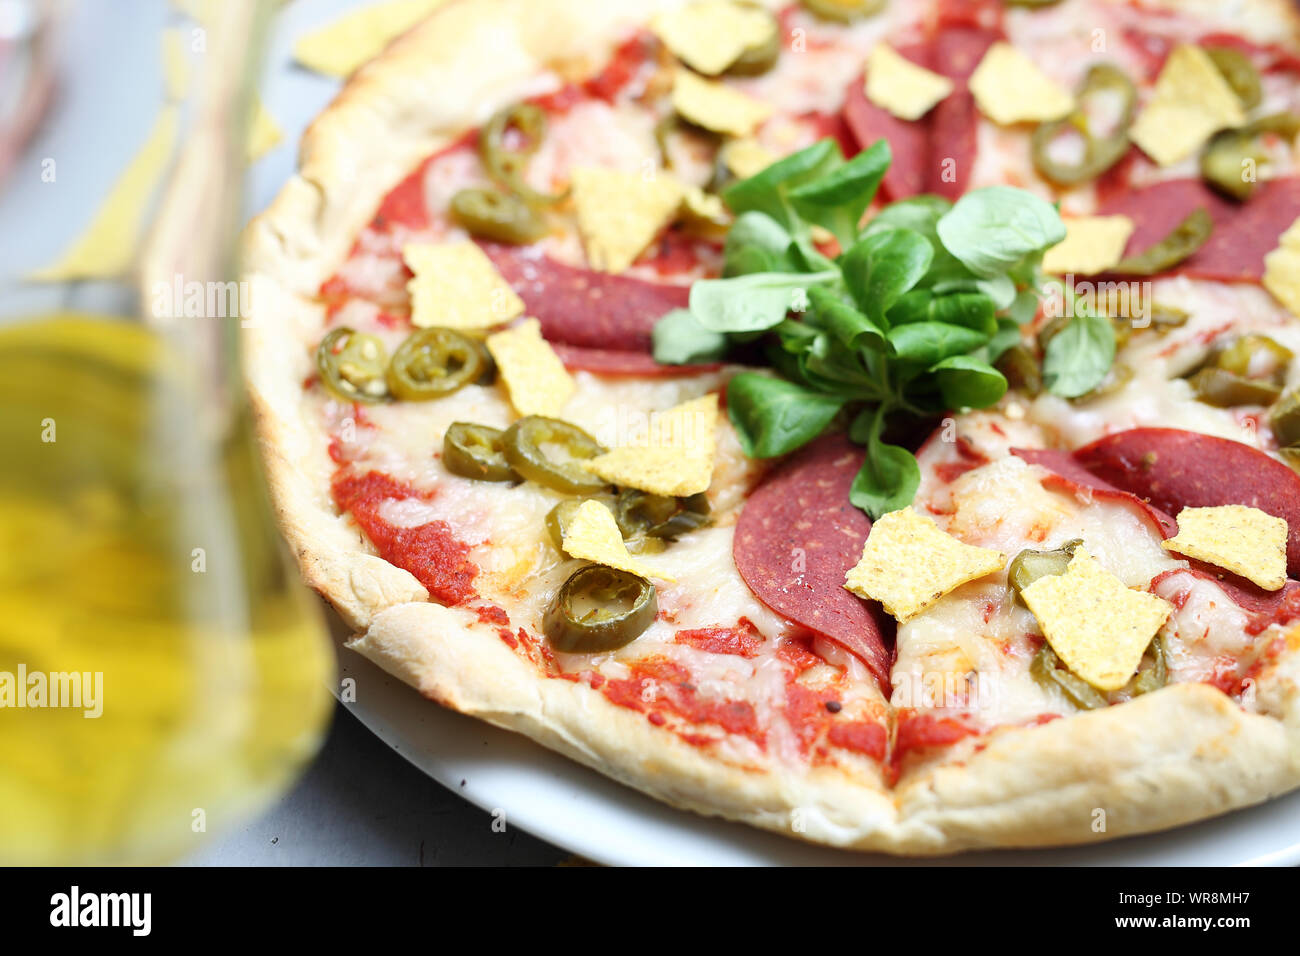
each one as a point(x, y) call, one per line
point(578, 809)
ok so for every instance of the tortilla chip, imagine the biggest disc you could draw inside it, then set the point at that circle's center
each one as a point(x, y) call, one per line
point(908, 564)
point(533, 374)
point(338, 48)
point(1282, 269)
point(717, 107)
point(710, 35)
point(619, 213)
point(676, 456)
point(593, 535)
point(747, 157)
point(1092, 244)
point(1010, 88)
point(456, 286)
point(264, 132)
point(107, 246)
point(896, 84)
point(1245, 541)
point(1192, 101)
point(1095, 624)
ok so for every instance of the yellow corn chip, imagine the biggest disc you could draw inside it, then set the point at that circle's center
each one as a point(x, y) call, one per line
point(676, 457)
point(263, 132)
point(1282, 269)
point(1092, 244)
point(593, 535)
point(1192, 101)
point(710, 35)
point(1095, 624)
point(746, 157)
point(533, 374)
point(107, 246)
point(1239, 539)
point(619, 213)
point(715, 106)
point(896, 84)
point(908, 563)
point(340, 47)
point(1010, 88)
point(457, 287)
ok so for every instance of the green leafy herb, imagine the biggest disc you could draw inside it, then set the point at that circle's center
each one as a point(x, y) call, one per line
point(901, 322)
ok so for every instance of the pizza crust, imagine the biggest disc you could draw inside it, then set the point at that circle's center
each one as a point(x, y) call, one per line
point(1181, 754)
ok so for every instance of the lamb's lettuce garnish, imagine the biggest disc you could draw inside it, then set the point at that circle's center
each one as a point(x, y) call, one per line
point(906, 320)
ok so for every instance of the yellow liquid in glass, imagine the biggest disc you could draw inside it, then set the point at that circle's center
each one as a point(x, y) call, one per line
point(135, 545)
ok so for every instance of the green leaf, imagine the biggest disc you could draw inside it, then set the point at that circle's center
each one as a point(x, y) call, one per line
point(912, 306)
point(767, 191)
point(679, 339)
point(993, 230)
point(921, 214)
point(888, 478)
point(757, 243)
point(842, 320)
point(837, 199)
point(974, 310)
point(772, 416)
point(880, 268)
point(1007, 335)
point(969, 382)
point(1079, 356)
point(750, 303)
point(929, 342)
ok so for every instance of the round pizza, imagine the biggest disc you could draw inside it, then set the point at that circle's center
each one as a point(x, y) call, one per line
point(872, 421)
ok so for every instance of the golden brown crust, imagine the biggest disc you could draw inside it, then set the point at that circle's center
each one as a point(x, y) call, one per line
point(1181, 754)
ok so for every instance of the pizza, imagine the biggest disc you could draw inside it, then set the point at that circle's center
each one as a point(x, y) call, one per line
point(872, 421)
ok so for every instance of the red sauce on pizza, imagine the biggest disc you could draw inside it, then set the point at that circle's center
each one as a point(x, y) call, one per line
point(743, 640)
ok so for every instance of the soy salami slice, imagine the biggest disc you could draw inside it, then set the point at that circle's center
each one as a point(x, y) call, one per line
point(1244, 233)
point(909, 141)
point(1070, 476)
point(582, 307)
point(797, 537)
point(954, 123)
point(1175, 469)
point(615, 362)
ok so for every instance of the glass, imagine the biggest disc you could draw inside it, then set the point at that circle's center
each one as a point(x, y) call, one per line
point(163, 672)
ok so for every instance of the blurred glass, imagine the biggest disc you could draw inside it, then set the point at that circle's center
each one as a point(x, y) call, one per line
point(163, 672)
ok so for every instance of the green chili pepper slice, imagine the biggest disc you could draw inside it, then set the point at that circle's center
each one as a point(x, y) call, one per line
point(1047, 669)
point(1028, 566)
point(1099, 152)
point(1188, 236)
point(549, 451)
point(492, 214)
point(1021, 370)
point(641, 514)
point(1168, 317)
point(433, 363)
point(1284, 419)
point(762, 56)
point(843, 11)
point(351, 365)
point(1232, 153)
point(1155, 673)
point(1236, 68)
point(505, 163)
point(476, 451)
point(1224, 389)
point(599, 609)
point(1255, 356)
point(558, 518)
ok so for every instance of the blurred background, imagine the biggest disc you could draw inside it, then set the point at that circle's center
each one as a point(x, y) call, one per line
point(139, 567)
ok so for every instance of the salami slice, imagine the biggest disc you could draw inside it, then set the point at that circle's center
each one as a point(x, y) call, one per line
point(615, 362)
point(909, 141)
point(1244, 233)
point(797, 537)
point(954, 123)
point(1175, 469)
point(581, 307)
point(1070, 476)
